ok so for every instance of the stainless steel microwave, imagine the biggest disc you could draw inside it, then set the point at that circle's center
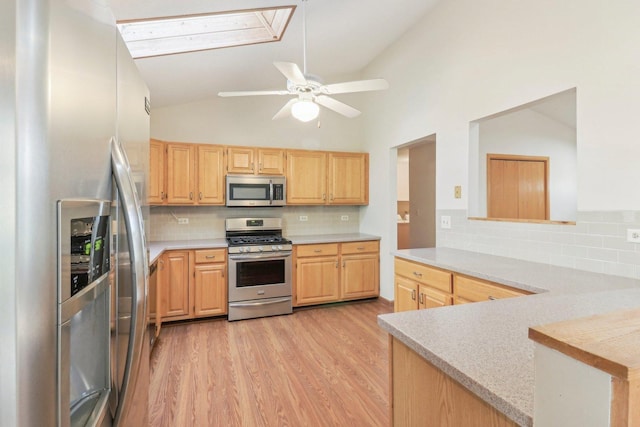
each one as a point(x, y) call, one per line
point(248, 190)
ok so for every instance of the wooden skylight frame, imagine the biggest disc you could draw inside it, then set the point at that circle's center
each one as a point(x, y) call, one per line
point(191, 33)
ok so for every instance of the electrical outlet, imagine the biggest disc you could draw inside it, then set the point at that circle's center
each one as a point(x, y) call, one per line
point(633, 235)
point(303, 218)
point(344, 218)
point(445, 221)
point(183, 221)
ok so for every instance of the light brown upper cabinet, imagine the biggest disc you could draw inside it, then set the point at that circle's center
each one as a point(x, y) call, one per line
point(517, 187)
point(186, 174)
point(181, 174)
point(348, 179)
point(210, 175)
point(157, 191)
point(255, 161)
point(321, 178)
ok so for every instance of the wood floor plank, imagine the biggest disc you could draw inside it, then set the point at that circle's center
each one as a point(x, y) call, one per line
point(321, 366)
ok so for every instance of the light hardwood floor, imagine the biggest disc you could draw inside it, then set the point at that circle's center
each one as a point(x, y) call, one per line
point(323, 366)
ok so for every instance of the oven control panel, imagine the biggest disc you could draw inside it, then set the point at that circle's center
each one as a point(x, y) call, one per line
point(259, 249)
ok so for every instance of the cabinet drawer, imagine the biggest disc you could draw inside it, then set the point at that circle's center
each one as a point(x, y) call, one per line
point(359, 247)
point(317, 250)
point(423, 274)
point(210, 255)
point(475, 290)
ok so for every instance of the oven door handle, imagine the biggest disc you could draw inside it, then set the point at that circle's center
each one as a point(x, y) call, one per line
point(261, 302)
point(259, 256)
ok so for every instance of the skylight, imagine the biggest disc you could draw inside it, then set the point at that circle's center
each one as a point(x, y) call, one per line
point(190, 33)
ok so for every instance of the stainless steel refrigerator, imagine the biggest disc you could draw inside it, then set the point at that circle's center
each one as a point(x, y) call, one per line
point(70, 95)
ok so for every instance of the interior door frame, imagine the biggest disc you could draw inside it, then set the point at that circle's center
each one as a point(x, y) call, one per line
point(519, 158)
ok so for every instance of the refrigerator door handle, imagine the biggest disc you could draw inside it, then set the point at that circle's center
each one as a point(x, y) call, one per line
point(139, 273)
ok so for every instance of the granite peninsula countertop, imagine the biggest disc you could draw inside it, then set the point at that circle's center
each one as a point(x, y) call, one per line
point(485, 346)
point(157, 248)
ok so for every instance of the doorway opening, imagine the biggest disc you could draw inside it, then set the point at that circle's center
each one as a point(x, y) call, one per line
point(416, 189)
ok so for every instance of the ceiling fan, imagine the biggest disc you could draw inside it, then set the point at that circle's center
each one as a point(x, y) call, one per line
point(310, 91)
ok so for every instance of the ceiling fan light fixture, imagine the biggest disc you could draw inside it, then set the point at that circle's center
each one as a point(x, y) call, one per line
point(305, 110)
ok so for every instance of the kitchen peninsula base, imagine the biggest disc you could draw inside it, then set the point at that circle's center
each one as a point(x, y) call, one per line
point(423, 395)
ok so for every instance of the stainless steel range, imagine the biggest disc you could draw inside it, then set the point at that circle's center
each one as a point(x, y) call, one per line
point(259, 268)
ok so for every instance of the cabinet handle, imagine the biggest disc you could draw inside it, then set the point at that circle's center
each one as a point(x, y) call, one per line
point(162, 195)
point(210, 256)
point(191, 195)
point(360, 248)
point(252, 166)
point(324, 196)
point(413, 294)
point(421, 298)
point(337, 264)
point(161, 265)
point(200, 195)
point(331, 197)
point(343, 264)
point(415, 273)
point(317, 251)
point(222, 273)
point(491, 298)
point(260, 166)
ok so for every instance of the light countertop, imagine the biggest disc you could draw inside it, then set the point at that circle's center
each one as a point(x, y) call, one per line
point(157, 248)
point(485, 346)
point(331, 238)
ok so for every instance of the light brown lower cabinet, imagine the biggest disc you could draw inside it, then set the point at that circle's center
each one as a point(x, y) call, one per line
point(332, 272)
point(470, 289)
point(192, 284)
point(423, 395)
point(418, 286)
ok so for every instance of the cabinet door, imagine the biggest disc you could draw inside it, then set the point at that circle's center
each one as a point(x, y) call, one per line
point(241, 160)
point(270, 161)
point(359, 276)
point(317, 280)
point(175, 284)
point(406, 295)
point(181, 174)
point(210, 175)
point(348, 178)
point(156, 191)
point(210, 288)
point(429, 297)
point(306, 177)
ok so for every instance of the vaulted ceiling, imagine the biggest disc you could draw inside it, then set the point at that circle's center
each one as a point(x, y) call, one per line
point(343, 37)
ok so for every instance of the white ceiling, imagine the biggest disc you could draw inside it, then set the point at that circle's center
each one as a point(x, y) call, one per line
point(343, 37)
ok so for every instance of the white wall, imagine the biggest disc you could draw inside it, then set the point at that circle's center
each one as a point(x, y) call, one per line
point(529, 133)
point(469, 58)
point(247, 121)
point(569, 393)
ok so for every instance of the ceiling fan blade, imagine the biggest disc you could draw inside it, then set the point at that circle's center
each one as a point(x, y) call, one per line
point(337, 106)
point(355, 86)
point(286, 110)
point(253, 93)
point(292, 72)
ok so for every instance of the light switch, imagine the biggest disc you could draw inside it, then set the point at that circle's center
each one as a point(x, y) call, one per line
point(458, 191)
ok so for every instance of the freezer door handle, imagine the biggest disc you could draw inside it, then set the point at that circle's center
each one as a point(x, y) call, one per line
point(139, 274)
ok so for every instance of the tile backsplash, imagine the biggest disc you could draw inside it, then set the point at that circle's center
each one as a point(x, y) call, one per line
point(597, 242)
point(207, 222)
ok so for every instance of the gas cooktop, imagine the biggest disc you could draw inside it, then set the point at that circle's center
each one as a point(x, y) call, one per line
point(255, 235)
